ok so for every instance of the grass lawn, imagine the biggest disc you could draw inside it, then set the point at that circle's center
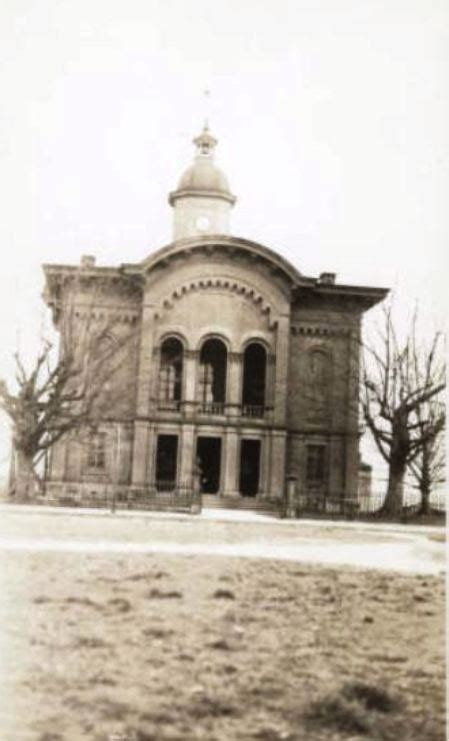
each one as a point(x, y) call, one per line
point(137, 647)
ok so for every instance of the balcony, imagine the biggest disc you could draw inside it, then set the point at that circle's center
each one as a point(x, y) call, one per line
point(253, 410)
point(212, 408)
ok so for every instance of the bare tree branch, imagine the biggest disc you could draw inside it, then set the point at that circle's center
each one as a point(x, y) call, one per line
point(66, 393)
point(401, 387)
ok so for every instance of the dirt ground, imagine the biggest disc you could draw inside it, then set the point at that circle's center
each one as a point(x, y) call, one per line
point(151, 647)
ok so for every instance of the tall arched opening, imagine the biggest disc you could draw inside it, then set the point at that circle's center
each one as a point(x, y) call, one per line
point(254, 380)
point(213, 368)
point(171, 373)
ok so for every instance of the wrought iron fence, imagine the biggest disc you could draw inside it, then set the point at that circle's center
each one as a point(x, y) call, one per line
point(177, 498)
point(367, 506)
point(160, 496)
point(168, 495)
point(411, 502)
point(312, 505)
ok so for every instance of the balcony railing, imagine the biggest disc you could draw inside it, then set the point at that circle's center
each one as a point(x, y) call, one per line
point(212, 407)
point(253, 410)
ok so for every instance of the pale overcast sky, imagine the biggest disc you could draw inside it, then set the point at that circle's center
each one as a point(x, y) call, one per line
point(332, 120)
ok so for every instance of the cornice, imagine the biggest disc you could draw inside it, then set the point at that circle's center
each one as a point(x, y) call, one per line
point(111, 313)
point(62, 275)
point(222, 242)
point(363, 297)
point(196, 193)
point(319, 330)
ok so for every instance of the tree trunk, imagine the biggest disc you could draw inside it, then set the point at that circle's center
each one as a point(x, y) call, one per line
point(392, 505)
point(12, 473)
point(26, 479)
point(425, 497)
point(425, 484)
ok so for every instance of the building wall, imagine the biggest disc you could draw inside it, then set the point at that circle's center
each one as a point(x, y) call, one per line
point(99, 323)
point(323, 394)
point(312, 374)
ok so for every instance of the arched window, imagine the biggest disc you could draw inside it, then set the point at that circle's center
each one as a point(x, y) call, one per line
point(212, 379)
point(170, 372)
point(254, 380)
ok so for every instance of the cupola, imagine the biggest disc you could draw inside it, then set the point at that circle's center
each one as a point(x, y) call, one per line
point(202, 201)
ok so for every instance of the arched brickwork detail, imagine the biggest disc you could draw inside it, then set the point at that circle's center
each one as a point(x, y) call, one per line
point(215, 284)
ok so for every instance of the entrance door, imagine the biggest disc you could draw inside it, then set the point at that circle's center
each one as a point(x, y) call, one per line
point(249, 467)
point(209, 454)
point(166, 462)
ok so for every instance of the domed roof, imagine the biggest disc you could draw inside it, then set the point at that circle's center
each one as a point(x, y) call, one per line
point(204, 174)
point(203, 177)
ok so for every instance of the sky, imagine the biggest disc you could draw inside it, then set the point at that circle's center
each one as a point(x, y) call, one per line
point(332, 119)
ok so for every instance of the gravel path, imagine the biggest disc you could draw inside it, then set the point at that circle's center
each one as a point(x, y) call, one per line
point(386, 548)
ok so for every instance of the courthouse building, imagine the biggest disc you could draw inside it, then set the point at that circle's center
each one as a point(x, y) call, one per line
point(239, 364)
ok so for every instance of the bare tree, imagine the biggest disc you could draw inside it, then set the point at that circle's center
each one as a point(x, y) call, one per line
point(66, 390)
point(428, 468)
point(400, 379)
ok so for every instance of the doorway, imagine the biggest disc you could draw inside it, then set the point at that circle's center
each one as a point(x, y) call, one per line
point(166, 462)
point(249, 467)
point(208, 452)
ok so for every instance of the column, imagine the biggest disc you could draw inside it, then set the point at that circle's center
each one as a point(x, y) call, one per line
point(139, 465)
point(277, 483)
point(231, 463)
point(152, 381)
point(187, 443)
point(151, 456)
point(234, 381)
point(270, 384)
point(265, 468)
point(189, 387)
point(281, 372)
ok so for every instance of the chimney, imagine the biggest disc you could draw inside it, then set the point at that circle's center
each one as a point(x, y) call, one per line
point(88, 261)
point(327, 278)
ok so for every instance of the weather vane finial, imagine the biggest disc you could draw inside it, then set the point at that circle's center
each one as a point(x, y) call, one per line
point(205, 142)
point(206, 93)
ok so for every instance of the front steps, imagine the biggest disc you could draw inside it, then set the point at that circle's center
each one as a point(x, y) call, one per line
point(251, 504)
